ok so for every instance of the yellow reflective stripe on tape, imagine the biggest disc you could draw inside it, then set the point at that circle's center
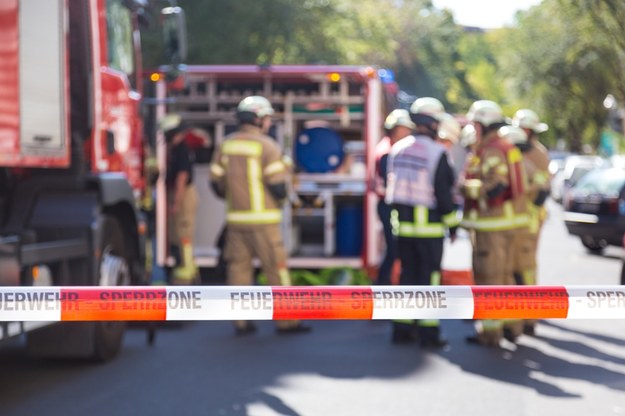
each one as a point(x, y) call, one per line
point(242, 148)
point(254, 217)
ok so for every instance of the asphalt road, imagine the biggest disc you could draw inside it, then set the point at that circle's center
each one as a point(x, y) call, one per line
point(574, 367)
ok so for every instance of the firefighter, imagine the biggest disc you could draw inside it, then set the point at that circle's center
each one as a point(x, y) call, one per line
point(397, 125)
point(182, 198)
point(536, 159)
point(495, 190)
point(249, 172)
point(419, 187)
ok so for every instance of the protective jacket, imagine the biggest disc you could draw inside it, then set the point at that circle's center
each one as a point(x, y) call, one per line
point(247, 169)
point(500, 191)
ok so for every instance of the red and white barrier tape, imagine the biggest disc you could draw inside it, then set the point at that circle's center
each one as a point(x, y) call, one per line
point(212, 303)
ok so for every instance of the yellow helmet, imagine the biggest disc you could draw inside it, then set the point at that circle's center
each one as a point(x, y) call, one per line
point(513, 134)
point(528, 119)
point(486, 112)
point(449, 128)
point(398, 117)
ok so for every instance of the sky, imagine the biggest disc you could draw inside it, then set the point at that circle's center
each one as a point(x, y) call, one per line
point(485, 13)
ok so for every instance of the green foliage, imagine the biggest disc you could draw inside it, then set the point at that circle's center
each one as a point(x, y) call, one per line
point(560, 59)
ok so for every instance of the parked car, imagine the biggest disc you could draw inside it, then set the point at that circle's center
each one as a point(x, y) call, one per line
point(595, 209)
point(574, 168)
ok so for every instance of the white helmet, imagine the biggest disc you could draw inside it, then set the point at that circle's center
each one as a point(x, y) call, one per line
point(428, 106)
point(449, 128)
point(513, 134)
point(259, 106)
point(528, 119)
point(398, 117)
point(170, 122)
point(468, 136)
point(485, 112)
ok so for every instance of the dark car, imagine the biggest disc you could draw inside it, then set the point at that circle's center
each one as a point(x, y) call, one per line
point(595, 209)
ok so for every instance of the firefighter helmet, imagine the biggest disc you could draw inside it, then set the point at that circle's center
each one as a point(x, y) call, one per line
point(515, 135)
point(528, 119)
point(398, 117)
point(170, 122)
point(428, 106)
point(257, 105)
point(449, 128)
point(468, 135)
point(485, 112)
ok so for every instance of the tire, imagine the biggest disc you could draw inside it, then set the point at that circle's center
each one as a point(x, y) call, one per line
point(113, 269)
point(593, 245)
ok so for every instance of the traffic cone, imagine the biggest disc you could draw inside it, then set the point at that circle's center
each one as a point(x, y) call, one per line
point(186, 273)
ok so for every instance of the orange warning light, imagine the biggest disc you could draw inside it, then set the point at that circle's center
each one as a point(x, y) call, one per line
point(155, 77)
point(334, 77)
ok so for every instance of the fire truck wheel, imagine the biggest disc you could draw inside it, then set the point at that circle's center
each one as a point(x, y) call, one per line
point(113, 270)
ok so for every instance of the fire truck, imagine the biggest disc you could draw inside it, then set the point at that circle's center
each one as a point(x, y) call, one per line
point(71, 156)
point(328, 120)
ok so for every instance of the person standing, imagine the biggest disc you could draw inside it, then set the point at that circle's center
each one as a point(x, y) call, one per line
point(536, 160)
point(419, 187)
point(249, 171)
point(397, 125)
point(496, 188)
point(182, 198)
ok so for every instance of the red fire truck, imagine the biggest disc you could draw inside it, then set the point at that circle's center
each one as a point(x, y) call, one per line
point(328, 119)
point(71, 156)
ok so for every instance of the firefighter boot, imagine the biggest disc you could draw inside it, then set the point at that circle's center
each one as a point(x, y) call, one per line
point(186, 273)
point(430, 337)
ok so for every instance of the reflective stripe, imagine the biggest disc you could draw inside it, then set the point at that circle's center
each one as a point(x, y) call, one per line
point(451, 219)
point(255, 184)
point(242, 148)
point(514, 155)
point(273, 168)
point(507, 222)
point(541, 178)
point(407, 229)
point(285, 278)
point(217, 170)
point(254, 217)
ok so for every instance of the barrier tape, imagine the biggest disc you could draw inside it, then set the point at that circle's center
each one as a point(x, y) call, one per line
point(206, 303)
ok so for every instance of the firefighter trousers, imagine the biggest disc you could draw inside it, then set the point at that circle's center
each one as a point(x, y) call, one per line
point(525, 265)
point(264, 242)
point(493, 264)
point(420, 265)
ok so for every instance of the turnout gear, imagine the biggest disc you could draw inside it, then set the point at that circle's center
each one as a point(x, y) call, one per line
point(182, 198)
point(496, 211)
point(536, 163)
point(251, 174)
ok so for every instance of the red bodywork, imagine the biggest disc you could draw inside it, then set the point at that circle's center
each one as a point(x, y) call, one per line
point(115, 102)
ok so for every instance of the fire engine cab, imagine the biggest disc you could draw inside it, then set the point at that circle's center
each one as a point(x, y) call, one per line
point(71, 151)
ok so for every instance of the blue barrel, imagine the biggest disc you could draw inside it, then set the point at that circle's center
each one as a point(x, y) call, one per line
point(319, 150)
point(349, 230)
